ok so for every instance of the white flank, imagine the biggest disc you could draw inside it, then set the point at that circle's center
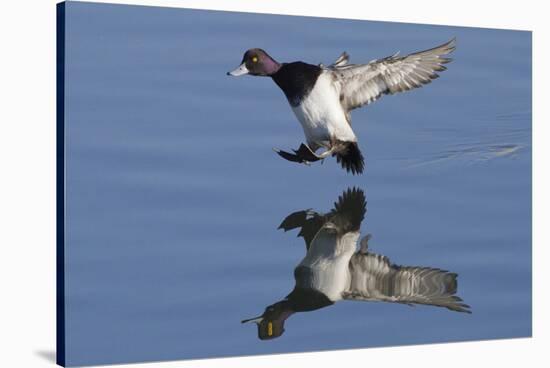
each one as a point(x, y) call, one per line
point(322, 116)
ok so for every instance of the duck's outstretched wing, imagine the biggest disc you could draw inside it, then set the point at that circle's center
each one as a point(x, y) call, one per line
point(363, 84)
point(374, 278)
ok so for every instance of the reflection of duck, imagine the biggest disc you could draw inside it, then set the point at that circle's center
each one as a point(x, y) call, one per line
point(322, 97)
point(333, 269)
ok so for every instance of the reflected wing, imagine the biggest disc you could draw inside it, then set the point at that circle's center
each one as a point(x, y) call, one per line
point(347, 215)
point(363, 84)
point(349, 211)
point(309, 222)
point(374, 278)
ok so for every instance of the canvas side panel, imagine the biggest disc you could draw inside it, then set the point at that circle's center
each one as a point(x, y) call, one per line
point(60, 186)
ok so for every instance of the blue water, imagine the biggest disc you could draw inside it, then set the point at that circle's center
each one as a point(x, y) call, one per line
point(174, 195)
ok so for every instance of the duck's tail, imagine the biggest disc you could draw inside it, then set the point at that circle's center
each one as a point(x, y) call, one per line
point(350, 157)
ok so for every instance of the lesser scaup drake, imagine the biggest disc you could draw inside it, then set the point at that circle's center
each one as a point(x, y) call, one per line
point(333, 269)
point(322, 97)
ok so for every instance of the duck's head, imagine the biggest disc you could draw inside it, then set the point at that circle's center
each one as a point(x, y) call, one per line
point(271, 323)
point(256, 62)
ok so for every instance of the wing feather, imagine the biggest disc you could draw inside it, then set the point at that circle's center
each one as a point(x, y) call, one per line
point(341, 61)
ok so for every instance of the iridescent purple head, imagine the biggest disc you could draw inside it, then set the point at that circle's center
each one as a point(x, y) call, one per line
point(256, 62)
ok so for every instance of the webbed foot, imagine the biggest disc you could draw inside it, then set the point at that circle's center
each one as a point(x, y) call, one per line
point(303, 155)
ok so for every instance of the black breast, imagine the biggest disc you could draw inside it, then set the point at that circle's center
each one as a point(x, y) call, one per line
point(303, 298)
point(296, 80)
point(306, 300)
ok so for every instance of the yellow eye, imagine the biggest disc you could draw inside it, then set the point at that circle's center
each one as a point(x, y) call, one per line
point(255, 59)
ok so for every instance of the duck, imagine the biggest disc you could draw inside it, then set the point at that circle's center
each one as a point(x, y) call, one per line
point(323, 97)
point(336, 269)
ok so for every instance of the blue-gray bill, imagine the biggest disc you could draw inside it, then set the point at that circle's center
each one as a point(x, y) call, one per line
point(241, 70)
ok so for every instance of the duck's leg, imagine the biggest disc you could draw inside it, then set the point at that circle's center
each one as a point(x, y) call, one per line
point(305, 154)
point(306, 151)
